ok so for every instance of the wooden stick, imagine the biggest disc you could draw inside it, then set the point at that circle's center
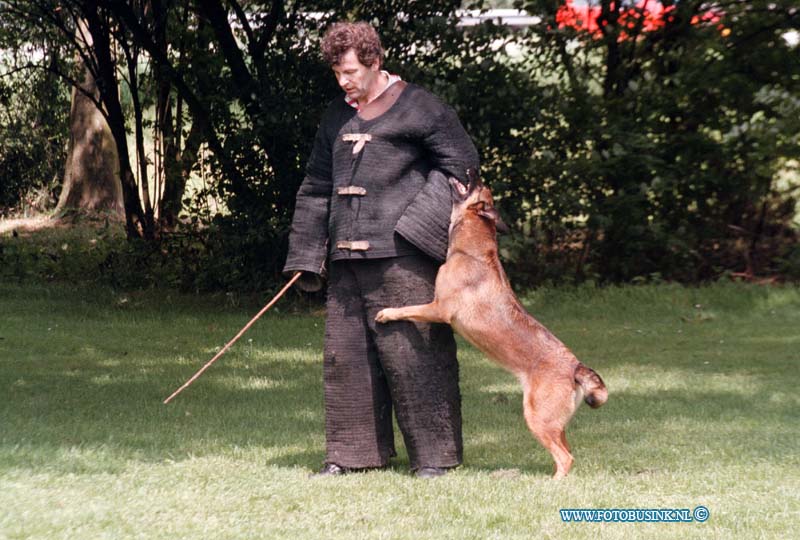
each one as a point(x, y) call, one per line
point(231, 342)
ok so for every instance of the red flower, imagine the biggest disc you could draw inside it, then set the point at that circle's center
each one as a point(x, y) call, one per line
point(651, 15)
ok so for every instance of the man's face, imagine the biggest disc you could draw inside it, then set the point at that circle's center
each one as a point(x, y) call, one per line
point(355, 78)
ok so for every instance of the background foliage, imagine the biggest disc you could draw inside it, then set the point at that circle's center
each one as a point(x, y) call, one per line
point(34, 107)
point(625, 143)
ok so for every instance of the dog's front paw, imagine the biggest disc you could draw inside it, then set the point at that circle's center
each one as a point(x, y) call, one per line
point(384, 315)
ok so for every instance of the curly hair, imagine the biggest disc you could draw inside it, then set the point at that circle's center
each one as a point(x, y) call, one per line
point(359, 36)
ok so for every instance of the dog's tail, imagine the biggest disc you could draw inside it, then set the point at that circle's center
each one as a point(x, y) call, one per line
point(594, 390)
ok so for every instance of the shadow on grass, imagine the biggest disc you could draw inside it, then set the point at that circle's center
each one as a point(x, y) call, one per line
point(639, 429)
point(114, 415)
point(91, 400)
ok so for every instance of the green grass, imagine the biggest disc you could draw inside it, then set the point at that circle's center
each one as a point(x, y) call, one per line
point(703, 409)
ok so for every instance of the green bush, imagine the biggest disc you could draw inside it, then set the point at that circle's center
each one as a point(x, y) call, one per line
point(33, 138)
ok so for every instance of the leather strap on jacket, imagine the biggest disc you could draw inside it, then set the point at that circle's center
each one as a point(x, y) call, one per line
point(357, 245)
point(357, 191)
point(382, 103)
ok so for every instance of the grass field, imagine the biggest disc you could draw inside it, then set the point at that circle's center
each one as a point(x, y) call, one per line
point(703, 410)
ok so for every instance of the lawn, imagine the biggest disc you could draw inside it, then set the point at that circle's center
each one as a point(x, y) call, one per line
point(703, 410)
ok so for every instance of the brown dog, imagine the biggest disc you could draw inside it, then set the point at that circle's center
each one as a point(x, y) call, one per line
point(473, 295)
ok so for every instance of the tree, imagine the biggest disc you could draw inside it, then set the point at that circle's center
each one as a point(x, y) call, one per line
point(91, 174)
point(627, 140)
point(657, 150)
point(89, 31)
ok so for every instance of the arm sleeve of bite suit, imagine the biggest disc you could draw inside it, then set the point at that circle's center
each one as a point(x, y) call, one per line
point(308, 236)
point(426, 220)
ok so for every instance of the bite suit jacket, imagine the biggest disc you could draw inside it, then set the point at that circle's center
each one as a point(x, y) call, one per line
point(376, 183)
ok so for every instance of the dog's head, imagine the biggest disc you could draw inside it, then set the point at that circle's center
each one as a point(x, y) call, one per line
point(474, 198)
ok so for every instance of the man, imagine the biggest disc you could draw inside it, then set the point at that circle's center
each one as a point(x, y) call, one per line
point(376, 203)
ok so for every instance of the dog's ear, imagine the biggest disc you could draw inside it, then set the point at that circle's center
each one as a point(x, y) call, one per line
point(474, 179)
point(490, 212)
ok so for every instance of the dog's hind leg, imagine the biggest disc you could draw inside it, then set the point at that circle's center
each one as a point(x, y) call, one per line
point(420, 313)
point(564, 442)
point(549, 430)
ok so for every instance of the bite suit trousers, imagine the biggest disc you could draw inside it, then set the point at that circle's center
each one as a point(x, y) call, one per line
point(371, 369)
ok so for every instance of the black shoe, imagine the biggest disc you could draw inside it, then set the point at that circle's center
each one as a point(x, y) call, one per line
point(331, 469)
point(431, 472)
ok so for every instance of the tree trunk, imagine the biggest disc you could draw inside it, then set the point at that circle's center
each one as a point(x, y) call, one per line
point(136, 222)
point(168, 137)
point(91, 176)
